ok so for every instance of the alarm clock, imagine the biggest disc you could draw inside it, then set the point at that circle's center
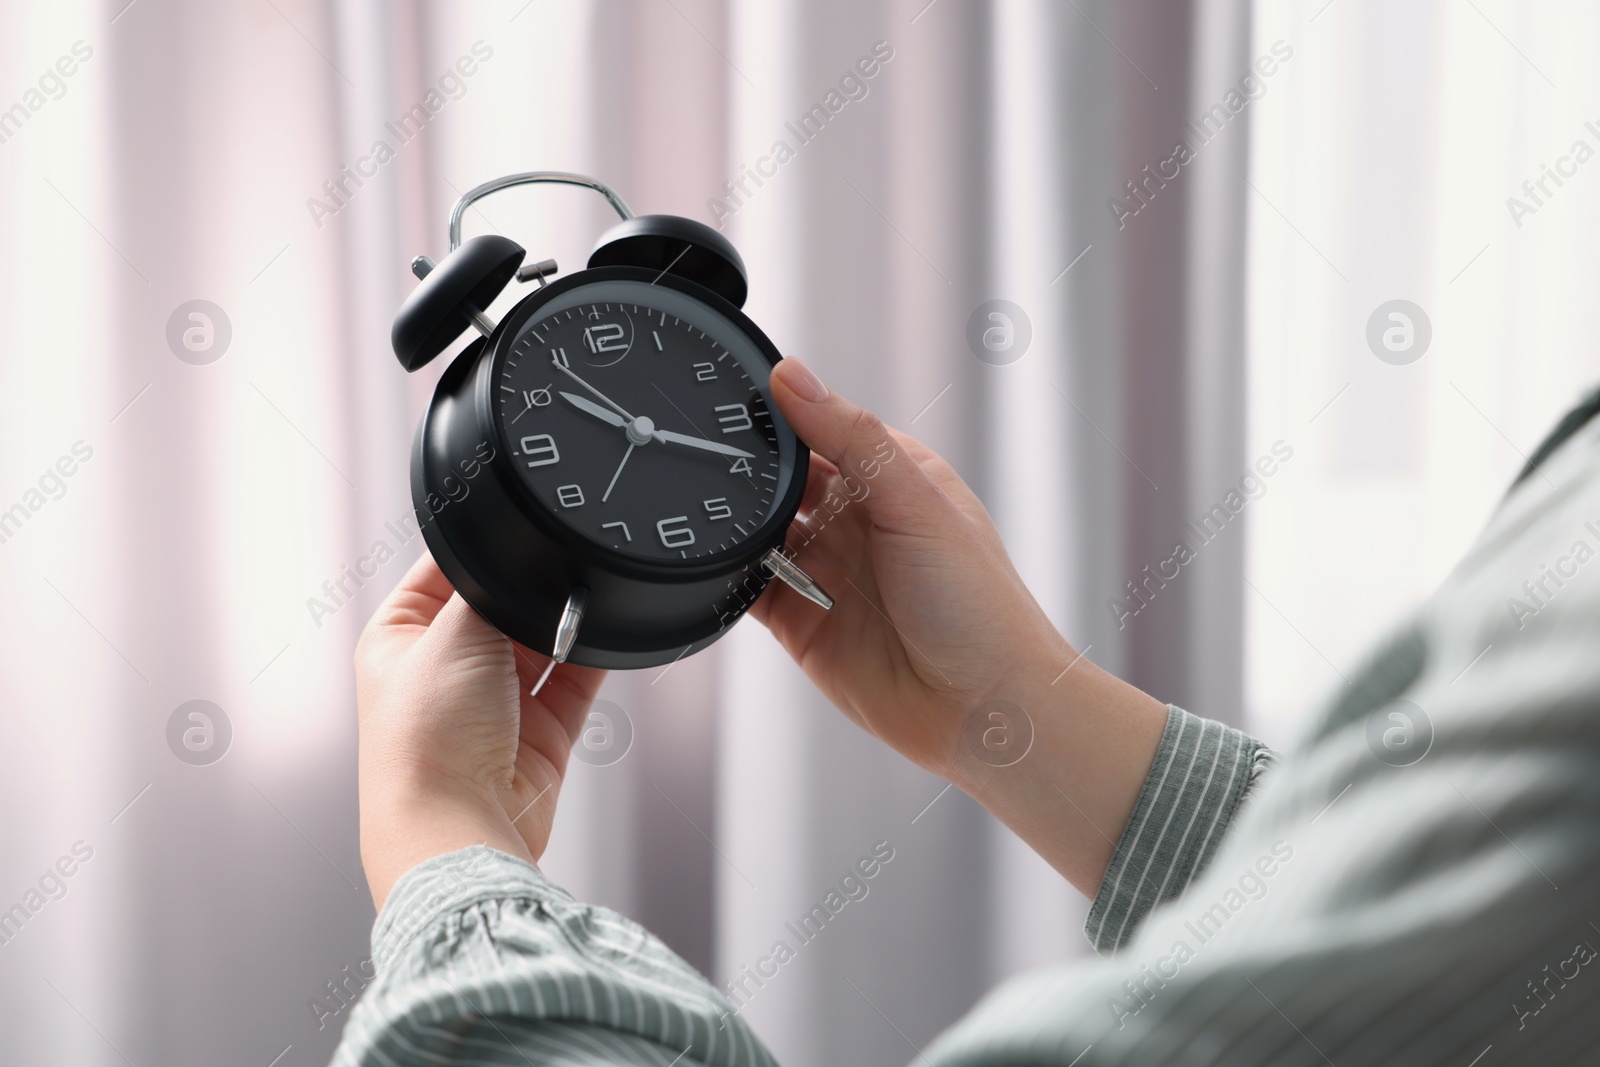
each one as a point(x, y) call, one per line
point(602, 473)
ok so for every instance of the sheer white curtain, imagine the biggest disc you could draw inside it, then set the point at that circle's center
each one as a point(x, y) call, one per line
point(1388, 155)
point(228, 153)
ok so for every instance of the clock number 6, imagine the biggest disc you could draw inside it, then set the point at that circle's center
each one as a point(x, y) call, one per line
point(543, 446)
point(675, 532)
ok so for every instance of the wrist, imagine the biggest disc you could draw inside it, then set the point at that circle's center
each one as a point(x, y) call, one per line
point(996, 733)
point(402, 826)
point(1060, 758)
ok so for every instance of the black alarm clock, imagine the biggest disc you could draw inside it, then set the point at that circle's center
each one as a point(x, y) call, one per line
point(602, 473)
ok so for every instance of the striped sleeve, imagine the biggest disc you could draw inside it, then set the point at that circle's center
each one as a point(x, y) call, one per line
point(481, 960)
point(1201, 772)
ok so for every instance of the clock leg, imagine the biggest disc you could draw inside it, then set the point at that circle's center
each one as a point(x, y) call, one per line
point(798, 580)
point(566, 634)
point(571, 619)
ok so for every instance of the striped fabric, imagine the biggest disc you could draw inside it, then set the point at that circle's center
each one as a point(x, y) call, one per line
point(482, 960)
point(1200, 774)
point(1417, 883)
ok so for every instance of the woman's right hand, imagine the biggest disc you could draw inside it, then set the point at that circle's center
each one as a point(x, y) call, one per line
point(933, 630)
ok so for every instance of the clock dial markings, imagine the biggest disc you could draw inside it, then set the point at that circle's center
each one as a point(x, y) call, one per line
point(696, 508)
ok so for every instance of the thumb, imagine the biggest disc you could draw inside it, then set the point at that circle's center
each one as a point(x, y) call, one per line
point(459, 633)
point(873, 467)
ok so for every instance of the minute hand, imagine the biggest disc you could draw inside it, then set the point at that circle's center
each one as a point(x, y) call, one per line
point(669, 437)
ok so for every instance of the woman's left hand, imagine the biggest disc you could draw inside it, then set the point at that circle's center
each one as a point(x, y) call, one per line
point(453, 751)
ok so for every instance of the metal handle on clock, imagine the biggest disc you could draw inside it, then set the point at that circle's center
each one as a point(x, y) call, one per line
point(558, 177)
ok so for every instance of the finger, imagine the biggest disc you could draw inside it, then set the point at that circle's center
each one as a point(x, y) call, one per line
point(828, 540)
point(566, 694)
point(818, 482)
point(416, 601)
point(916, 448)
point(530, 664)
point(855, 440)
point(942, 475)
point(458, 632)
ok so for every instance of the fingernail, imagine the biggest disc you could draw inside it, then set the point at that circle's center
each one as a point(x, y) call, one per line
point(800, 378)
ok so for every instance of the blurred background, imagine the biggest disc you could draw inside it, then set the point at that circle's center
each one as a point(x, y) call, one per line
point(1295, 285)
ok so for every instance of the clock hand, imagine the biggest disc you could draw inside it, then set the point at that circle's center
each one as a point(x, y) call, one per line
point(670, 437)
point(614, 477)
point(667, 436)
point(612, 404)
point(591, 408)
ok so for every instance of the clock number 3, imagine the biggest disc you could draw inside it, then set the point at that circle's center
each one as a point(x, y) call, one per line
point(738, 417)
point(540, 450)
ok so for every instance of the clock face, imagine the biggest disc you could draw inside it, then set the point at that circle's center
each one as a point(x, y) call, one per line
point(641, 418)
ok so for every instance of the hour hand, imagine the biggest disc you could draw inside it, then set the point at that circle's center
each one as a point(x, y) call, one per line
point(670, 437)
point(589, 407)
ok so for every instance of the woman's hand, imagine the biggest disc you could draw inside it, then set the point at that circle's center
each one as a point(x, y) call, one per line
point(452, 750)
point(933, 632)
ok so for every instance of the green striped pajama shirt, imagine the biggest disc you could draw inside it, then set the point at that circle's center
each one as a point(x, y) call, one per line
point(1355, 900)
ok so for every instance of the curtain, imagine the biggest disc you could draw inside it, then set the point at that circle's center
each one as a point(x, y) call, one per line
point(1405, 153)
point(237, 476)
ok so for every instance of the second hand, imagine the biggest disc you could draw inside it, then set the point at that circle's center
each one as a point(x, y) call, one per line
point(617, 475)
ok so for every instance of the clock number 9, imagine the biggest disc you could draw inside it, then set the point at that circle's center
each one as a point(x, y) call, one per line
point(541, 445)
point(675, 532)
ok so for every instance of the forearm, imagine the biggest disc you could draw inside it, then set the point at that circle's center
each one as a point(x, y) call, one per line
point(403, 825)
point(1070, 795)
